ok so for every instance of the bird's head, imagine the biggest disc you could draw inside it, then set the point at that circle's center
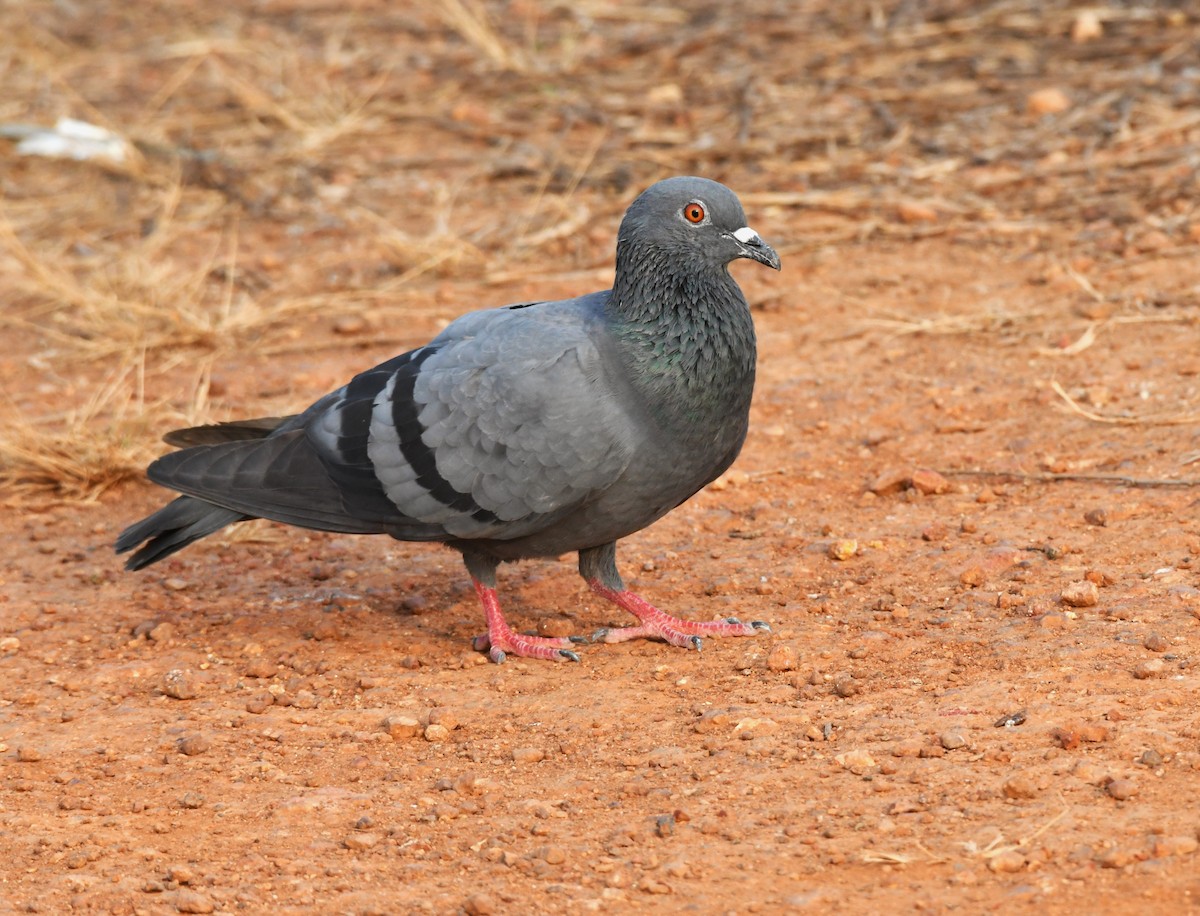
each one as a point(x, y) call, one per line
point(694, 219)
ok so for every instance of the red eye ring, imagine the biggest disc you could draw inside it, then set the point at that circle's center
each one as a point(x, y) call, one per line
point(693, 212)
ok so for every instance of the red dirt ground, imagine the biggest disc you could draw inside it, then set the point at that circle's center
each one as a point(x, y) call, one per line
point(967, 504)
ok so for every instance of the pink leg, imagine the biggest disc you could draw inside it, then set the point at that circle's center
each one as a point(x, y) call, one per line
point(661, 625)
point(501, 641)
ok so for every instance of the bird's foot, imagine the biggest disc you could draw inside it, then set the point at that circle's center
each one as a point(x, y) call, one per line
point(500, 645)
point(501, 641)
point(656, 624)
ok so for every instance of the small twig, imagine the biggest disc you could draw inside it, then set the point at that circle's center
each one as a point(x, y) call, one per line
point(1084, 283)
point(1174, 419)
point(998, 847)
point(1120, 479)
point(1086, 339)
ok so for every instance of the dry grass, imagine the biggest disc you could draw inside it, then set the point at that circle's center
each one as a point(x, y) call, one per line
point(90, 448)
point(297, 161)
point(471, 20)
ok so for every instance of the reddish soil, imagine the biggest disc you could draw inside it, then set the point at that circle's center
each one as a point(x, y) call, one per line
point(967, 506)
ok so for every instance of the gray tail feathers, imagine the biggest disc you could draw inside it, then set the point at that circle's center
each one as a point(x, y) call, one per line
point(172, 528)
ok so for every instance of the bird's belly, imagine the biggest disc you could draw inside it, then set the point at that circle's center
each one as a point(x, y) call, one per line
point(644, 495)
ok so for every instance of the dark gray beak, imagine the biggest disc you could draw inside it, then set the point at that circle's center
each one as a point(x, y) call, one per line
point(753, 247)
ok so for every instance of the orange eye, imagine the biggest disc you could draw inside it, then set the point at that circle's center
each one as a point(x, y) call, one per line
point(693, 213)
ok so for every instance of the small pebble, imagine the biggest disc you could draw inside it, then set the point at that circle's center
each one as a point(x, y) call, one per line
point(952, 739)
point(713, 720)
point(845, 685)
point(190, 901)
point(1097, 517)
point(1113, 858)
point(973, 576)
point(527, 755)
point(350, 324)
point(1019, 787)
point(1087, 26)
point(1081, 594)
point(10, 644)
point(1047, 101)
point(176, 584)
point(324, 629)
point(259, 703)
point(911, 211)
point(664, 757)
point(260, 668)
point(676, 868)
point(27, 754)
point(843, 549)
point(782, 658)
point(359, 842)
point(414, 604)
point(893, 480)
point(929, 482)
point(191, 800)
point(401, 726)
point(1153, 667)
point(436, 733)
point(479, 905)
point(1150, 758)
point(936, 531)
point(856, 761)
point(1089, 772)
point(180, 684)
point(752, 727)
point(1156, 642)
point(141, 630)
point(1121, 789)
point(1012, 720)
point(1175, 846)
point(1006, 862)
point(193, 745)
point(1093, 732)
point(162, 632)
point(442, 715)
point(554, 855)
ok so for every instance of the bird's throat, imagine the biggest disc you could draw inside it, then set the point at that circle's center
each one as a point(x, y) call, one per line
point(689, 343)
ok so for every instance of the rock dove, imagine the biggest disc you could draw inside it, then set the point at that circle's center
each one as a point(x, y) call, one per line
point(530, 430)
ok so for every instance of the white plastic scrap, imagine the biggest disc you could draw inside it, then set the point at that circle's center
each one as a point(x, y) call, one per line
point(68, 139)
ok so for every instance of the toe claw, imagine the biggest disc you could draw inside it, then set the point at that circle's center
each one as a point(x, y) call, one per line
point(481, 642)
point(761, 625)
point(696, 643)
point(497, 656)
point(568, 655)
point(732, 620)
point(599, 635)
point(579, 640)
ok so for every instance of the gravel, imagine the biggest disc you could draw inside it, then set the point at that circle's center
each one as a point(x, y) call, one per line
point(181, 684)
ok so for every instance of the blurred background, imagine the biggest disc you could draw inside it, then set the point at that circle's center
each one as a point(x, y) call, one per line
point(966, 505)
point(252, 166)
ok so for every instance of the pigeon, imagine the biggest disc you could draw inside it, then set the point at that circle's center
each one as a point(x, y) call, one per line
point(530, 430)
